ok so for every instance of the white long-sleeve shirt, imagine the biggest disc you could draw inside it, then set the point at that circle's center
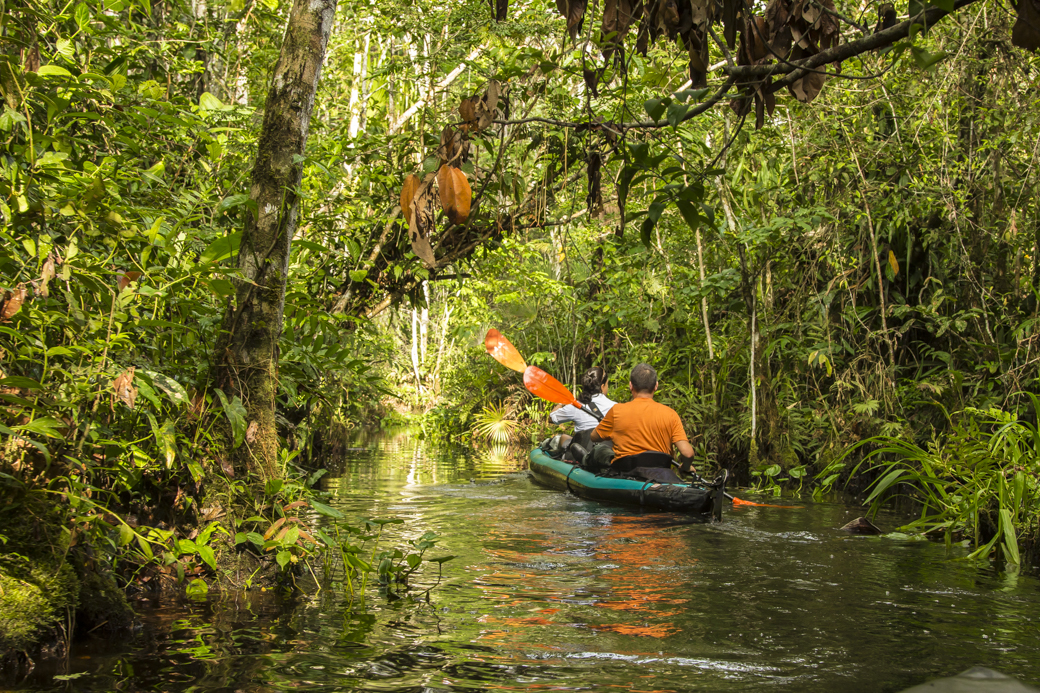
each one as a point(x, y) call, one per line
point(582, 421)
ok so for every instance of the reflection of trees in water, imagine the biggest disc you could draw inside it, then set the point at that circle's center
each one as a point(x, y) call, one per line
point(552, 565)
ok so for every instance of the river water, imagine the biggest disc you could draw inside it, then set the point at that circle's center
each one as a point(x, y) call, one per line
point(549, 592)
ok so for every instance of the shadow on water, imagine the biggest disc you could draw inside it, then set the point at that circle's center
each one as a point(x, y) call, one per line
point(550, 592)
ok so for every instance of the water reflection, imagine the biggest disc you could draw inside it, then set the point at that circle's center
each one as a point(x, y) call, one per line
point(554, 593)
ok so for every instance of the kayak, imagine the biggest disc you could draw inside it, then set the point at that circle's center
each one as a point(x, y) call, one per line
point(653, 495)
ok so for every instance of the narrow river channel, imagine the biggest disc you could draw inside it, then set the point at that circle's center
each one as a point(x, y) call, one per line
point(550, 592)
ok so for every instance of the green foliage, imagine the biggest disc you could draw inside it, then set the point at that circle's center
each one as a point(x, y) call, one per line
point(979, 484)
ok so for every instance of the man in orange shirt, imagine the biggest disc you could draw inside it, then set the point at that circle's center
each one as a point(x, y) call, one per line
point(642, 425)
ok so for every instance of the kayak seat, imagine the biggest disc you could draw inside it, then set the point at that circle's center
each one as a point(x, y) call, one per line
point(650, 458)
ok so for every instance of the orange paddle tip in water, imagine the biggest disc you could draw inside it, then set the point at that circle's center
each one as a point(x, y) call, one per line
point(502, 351)
point(738, 501)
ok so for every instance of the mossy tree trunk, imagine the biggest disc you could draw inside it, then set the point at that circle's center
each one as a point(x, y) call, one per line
point(247, 351)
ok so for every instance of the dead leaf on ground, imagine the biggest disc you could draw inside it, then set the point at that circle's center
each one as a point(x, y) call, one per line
point(228, 469)
point(455, 193)
point(12, 302)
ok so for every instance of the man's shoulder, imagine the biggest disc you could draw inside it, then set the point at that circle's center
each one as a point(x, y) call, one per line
point(664, 409)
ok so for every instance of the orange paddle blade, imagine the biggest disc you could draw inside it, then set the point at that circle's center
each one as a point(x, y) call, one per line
point(738, 501)
point(503, 352)
point(543, 385)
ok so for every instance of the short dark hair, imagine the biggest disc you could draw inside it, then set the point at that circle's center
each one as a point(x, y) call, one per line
point(643, 378)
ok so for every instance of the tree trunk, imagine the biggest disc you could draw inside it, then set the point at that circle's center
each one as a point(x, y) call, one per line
point(246, 362)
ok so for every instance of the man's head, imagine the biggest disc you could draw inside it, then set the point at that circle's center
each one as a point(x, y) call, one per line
point(643, 379)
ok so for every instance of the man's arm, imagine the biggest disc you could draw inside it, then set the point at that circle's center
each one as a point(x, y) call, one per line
point(595, 437)
point(686, 453)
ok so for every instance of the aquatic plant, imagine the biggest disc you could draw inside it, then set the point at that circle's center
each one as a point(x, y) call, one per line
point(979, 483)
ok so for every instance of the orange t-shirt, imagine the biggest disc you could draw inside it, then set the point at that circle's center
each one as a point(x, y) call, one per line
point(641, 425)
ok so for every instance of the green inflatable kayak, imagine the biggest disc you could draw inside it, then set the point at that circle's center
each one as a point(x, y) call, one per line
point(653, 495)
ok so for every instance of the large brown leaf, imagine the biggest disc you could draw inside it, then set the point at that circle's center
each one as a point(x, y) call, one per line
point(1026, 31)
point(411, 184)
point(806, 88)
point(618, 17)
point(455, 193)
point(574, 12)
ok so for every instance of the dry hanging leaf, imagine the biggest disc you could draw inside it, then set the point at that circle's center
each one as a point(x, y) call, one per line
point(618, 17)
point(468, 110)
point(123, 388)
point(574, 12)
point(46, 274)
point(13, 300)
point(1026, 31)
point(594, 199)
point(455, 193)
point(887, 17)
point(126, 278)
point(411, 184)
point(453, 149)
point(424, 214)
point(893, 262)
point(807, 87)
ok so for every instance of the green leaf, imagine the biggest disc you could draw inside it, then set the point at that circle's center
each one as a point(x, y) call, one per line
point(413, 560)
point(82, 16)
point(20, 382)
point(255, 538)
point(676, 113)
point(145, 547)
point(283, 559)
point(689, 214)
point(211, 103)
point(222, 248)
point(196, 589)
point(655, 108)
point(241, 538)
point(924, 59)
point(208, 557)
point(232, 201)
point(1007, 528)
point(441, 560)
point(44, 426)
point(174, 390)
point(53, 71)
point(326, 510)
point(126, 535)
point(236, 414)
point(656, 209)
point(645, 231)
